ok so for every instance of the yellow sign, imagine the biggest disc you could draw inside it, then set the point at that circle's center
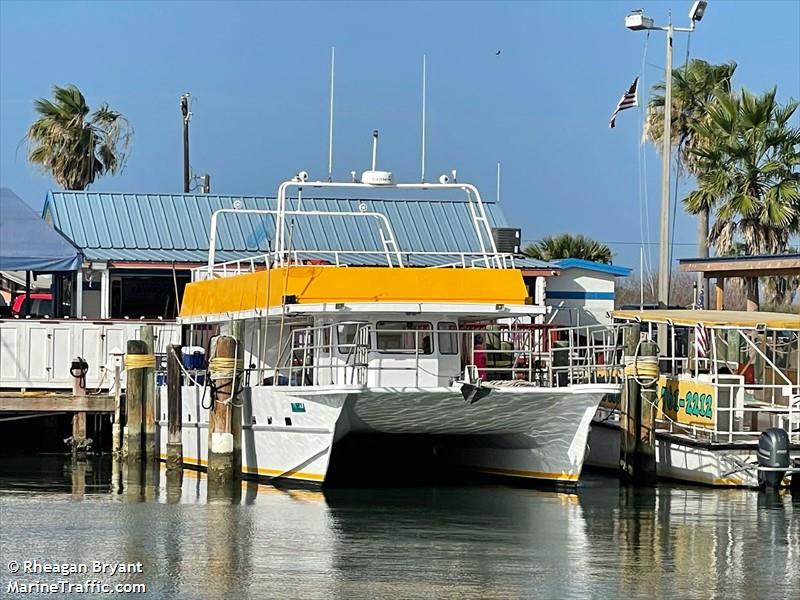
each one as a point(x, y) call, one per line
point(687, 401)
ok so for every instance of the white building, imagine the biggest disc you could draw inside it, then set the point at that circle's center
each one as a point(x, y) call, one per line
point(583, 292)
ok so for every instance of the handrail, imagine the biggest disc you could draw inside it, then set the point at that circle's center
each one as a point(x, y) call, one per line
point(509, 353)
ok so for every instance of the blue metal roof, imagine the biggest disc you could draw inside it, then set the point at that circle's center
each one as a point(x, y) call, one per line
point(578, 263)
point(174, 227)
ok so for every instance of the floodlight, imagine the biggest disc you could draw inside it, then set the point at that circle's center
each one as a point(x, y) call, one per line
point(637, 20)
point(698, 10)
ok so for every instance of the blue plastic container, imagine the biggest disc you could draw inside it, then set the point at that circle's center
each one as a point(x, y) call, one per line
point(194, 360)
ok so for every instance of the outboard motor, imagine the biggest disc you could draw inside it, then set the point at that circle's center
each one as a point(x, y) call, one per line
point(773, 452)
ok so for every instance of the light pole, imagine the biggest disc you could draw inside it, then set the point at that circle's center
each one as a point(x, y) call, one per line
point(637, 21)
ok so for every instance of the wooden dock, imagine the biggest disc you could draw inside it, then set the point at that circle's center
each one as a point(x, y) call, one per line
point(46, 401)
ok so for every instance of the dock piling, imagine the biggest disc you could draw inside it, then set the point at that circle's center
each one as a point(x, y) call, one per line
point(225, 372)
point(174, 410)
point(630, 412)
point(133, 399)
point(638, 409)
point(116, 428)
point(645, 466)
point(79, 442)
point(149, 397)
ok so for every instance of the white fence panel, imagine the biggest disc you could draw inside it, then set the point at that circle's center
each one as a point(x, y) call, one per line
point(39, 354)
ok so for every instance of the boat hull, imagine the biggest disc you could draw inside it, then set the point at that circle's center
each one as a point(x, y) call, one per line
point(681, 460)
point(289, 433)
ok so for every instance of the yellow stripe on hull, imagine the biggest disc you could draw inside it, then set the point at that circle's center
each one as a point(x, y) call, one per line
point(566, 477)
point(316, 285)
point(258, 471)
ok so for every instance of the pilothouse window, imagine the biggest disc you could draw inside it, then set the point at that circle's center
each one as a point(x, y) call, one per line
point(346, 334)
point(448, 342)
point(404, 336)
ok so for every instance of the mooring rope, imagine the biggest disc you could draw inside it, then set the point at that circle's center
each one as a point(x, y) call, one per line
point(222, 367)
point(646, 366)
point(140, 361)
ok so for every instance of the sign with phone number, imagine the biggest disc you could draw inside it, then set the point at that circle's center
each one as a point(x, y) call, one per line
point(687, 401)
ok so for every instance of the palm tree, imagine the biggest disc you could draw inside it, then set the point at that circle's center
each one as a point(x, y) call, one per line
point(693, 89)
point(74, 146)
point(569, 246)
point(750, 168)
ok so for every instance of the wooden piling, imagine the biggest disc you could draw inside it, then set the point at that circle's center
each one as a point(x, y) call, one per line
point(221, 460)
point(79, 441)
point(174, 410)
point(134, 405)
point(116, 428)
point(149, 398)
point(630, 413)
point(645, 463)
point(237, 331)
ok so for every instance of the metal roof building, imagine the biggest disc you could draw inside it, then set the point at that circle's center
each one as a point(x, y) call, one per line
point(137, 249)
point(174, 228)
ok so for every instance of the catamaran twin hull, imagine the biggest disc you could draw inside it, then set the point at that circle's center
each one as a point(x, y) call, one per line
point(519, 431)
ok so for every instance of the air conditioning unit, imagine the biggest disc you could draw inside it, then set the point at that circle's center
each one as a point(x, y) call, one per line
point(507, 239)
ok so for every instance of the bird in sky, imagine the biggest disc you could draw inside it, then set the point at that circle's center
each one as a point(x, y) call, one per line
point(497, 53)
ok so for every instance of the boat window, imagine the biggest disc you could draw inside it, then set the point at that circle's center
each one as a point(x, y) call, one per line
point(448, 342)
point(404, 336)
point(325, 342)
point(346, 334)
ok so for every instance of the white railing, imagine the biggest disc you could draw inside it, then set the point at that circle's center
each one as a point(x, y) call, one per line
point(756, 370)
point(339, 258)
point(531, 355)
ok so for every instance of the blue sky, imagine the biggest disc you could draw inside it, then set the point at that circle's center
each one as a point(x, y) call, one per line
point(259, 73)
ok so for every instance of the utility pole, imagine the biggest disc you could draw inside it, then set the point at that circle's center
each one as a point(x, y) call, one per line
point(187, 116)
point(666, 164)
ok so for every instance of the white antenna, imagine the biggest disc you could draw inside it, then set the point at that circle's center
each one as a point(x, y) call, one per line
point(374, 148)
point(330, 130)
point(498, 182)
point(424, 100)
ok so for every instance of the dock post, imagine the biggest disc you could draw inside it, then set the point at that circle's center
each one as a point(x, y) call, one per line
point(645, 464)
point(630, 414)
point(174, 410)
point(116, 428)
point(225, 373)
point(149, 397)
point(133, 399)
point(79, 441)
point(237, 332)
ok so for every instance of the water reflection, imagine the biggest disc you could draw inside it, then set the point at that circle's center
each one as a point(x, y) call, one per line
point(478, 541)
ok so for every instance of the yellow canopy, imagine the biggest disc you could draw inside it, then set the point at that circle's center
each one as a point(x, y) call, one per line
point(713, 318)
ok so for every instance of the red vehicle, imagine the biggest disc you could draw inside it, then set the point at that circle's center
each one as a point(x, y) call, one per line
point(40, 304)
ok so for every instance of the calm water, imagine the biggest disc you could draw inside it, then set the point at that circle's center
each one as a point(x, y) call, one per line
point(464, 541)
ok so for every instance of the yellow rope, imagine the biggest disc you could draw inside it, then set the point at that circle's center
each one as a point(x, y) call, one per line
point(222, 367)
point(140, 361)
point(644, 366)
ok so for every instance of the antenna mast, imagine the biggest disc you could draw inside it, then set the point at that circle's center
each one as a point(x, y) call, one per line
point(498, 182)
point(330, 129)
point(424, 101)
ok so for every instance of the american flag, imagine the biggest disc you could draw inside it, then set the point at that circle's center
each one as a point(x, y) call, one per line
point(701, 340)
point(628, 100)
point(701, 300)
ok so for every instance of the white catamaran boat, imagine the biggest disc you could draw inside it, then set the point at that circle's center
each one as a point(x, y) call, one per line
point(725, 379)
point(454, 350)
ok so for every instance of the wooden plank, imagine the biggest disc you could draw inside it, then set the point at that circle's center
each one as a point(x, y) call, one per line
point(56, 403)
